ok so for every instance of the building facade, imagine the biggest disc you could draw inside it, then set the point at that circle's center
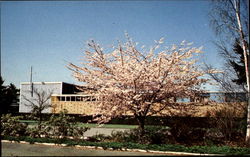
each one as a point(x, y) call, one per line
point(67, 96)
point(36, 91)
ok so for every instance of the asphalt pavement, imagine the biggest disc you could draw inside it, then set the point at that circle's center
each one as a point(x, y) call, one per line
point(17, 149)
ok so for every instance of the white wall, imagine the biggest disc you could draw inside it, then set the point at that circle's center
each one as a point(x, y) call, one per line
point(25, 90)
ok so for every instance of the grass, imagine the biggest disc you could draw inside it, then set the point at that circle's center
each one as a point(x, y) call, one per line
point(116, 126)
point(129, 145)
point(90, 125)
point(29, 122)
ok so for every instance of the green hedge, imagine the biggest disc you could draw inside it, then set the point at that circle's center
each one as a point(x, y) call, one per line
point(117, 146)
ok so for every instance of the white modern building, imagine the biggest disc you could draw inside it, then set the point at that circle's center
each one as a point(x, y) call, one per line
point(29, 91)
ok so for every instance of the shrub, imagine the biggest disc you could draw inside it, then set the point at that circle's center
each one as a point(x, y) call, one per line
point(153, 135)
point(38, 131)
point(157, 135)
point(120, 136)
point(183, 133)
point(59, 126)
point(11, 126)
point(99, 137)
point(226, 122)
point(63, 126)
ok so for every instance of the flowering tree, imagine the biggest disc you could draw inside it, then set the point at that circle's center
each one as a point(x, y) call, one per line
point(141, 83)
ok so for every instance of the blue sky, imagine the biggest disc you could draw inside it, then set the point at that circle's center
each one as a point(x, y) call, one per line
point(48, 34)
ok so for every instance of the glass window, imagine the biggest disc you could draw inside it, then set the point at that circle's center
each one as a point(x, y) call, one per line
point(217, 97)
point(62, 98)
point(73, 98)
point(78, 98)
point(183, 100)
point(88, 98)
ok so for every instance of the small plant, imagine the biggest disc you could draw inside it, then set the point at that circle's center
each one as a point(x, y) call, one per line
point(11, 126)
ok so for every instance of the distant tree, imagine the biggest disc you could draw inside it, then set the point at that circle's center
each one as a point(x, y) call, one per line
point(127, 80)
point(8, 95)
point(38, 103)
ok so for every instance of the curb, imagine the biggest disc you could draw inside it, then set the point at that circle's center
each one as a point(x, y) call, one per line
point(123, 149)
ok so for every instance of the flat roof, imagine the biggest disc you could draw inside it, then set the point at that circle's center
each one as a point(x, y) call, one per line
point(72, 95)
point(42, 82)
point(83, 86)
point(224, 92)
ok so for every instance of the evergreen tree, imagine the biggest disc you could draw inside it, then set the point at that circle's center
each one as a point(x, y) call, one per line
point(8, 95)
point(238, 64)
point(3, 100)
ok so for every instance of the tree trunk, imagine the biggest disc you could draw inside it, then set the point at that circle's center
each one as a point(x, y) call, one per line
point(246, 60)
point(248, 120)
point(141, 123)
point(39, 121)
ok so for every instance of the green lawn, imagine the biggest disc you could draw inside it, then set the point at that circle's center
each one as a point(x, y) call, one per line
point(90, 125)
point(30, 122)
point(107, 126)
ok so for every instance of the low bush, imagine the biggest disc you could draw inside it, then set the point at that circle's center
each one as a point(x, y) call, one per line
point(183, 133)
point(11, 126)
point(99, 137)
point(59, 126)
point(153, 135)
point(225, 121)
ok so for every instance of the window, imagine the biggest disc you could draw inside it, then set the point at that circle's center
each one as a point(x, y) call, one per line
point(73, 98)
point(183, 100)
point(62, 98)
point(78, 98)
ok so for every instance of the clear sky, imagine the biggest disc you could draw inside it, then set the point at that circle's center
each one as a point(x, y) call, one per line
point(48, 34)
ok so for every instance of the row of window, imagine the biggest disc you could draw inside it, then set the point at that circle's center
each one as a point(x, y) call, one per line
point(73, 98)
point(217, 97)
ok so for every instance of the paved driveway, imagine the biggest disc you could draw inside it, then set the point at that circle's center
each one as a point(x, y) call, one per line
point(105, 131)
point(17, 149)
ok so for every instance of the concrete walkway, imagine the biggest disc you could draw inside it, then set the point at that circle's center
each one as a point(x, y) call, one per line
point(105, 131)
point(17, 149)
point(95, 131)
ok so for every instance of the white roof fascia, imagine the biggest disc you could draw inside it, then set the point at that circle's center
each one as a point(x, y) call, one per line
point(225, 92)
point(71, 95)
point(42, 82)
